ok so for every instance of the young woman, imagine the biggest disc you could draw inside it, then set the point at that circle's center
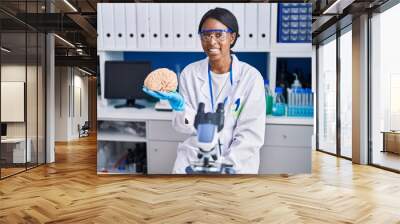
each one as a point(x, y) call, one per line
point(220, 78)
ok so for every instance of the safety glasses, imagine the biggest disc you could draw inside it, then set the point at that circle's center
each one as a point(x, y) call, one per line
point(218, 34)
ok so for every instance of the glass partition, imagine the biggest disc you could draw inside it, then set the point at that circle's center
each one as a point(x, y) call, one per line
point(31, 99)
point(41, 87)
point(13, 95)
point(327, 96)
point(346, 94)
point(22, 63)
point(385, 90)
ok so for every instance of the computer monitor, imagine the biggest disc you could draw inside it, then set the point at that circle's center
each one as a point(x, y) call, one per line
point(124, 80)
point(3, 130)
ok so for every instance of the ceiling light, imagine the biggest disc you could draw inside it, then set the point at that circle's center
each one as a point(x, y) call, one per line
point(65, 41)
point(84, 71)
point(70, 5)
point(5, 50)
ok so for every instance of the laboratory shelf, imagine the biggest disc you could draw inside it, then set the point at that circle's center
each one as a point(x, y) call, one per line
point(289, 120)
point(119, 137)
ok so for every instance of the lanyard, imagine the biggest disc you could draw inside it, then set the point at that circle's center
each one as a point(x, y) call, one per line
point(210, 84)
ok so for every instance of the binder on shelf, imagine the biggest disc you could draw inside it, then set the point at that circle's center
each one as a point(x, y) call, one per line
point(201, 9)
point(251, 24)
point(264, 24)
point(190, 28)
point(120, 27)
point(166, 26)
point(178, 24)
point(238, 11)
point(154, 20)
point(131, 26)
point(107, 12)
point(99, 27)
point(142, 12)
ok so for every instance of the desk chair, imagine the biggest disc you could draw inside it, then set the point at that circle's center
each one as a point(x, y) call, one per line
point(84, 130)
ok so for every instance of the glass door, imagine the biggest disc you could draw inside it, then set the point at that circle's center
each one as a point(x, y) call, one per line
point(346, 93)
point(327, 96)
point(385, 90)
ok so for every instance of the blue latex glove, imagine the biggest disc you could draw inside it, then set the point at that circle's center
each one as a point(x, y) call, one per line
point(174, 98)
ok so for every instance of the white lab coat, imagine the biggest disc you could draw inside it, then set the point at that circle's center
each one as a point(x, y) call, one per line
point(243, 134)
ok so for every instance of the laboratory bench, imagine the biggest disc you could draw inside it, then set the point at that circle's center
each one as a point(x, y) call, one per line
point(287, 147)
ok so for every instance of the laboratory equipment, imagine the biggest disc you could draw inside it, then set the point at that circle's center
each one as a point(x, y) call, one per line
point(132, 160)
point(300, 20)
point(268, 97)
point(163, 105)
point(300, 102)
point(209, 126)
point(296, 83)
point(279, 106)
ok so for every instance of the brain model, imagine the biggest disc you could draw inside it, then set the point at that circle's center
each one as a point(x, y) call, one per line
point(161, 80)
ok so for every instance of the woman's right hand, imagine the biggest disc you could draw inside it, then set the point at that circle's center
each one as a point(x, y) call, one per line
point(174, 98)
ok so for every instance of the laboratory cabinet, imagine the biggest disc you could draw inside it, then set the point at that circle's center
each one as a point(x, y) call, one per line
point(121, 147)
point(287, 147)
point(162, 130)
point(161, 156)
point(162, 144)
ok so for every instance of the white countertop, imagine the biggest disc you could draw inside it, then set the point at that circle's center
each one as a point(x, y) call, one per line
point(290, 120)
point(13, 140)
point(109, 113)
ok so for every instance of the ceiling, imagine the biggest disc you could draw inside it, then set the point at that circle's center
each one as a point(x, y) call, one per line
point(332, 15)
point(75, 22)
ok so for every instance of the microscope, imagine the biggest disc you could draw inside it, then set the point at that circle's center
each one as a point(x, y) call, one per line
point(209, 126)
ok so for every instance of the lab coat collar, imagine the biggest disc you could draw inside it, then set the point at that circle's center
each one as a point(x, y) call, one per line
point(202, 75)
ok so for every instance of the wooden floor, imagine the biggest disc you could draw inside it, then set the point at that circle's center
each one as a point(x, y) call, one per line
point(5, 172)
point(387, 159)
point(69, 191)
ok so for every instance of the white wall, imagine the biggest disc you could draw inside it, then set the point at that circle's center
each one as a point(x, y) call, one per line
point(79, 117)
point(70, 83)
point(33, 126)
point(62, 82)
point(17, 72)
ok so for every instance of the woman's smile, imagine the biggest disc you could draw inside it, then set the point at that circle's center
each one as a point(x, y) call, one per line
point(214, 51)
